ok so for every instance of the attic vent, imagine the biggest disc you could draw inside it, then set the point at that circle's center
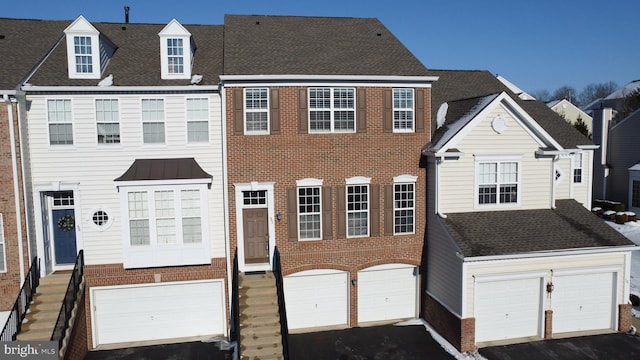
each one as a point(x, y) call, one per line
point(257, 22)
point(1, 37)
point(379, 34)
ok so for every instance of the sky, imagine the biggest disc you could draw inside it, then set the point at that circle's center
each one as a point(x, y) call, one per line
point(537, 45)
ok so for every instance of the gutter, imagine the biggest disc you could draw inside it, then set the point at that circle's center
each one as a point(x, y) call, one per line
point(119, 89)
point(16, 185)
point(538, 254)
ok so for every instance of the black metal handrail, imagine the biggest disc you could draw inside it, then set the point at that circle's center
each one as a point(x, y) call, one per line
point(282, 310)
point(234, 333)
point(70, 297)
point(21, 305)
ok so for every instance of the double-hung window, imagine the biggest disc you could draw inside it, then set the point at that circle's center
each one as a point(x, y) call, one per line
point(175, 55)
point(498, 182)
point(404, 204)
point(108, 121)
point(197, 120)
point(153, 121)
point(403, 114)
point(60, 122)
point(83, 55)
point(256, 111)
point(577, 168)
point(331, 110)
point(309, 209)
point(357, 193)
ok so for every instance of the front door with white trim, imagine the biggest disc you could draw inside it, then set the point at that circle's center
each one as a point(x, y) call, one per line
point(255, 225)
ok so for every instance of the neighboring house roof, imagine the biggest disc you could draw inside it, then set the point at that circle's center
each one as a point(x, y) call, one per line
point(136, 61)
point(164, 169)
point(516, 90)
point(510, 232)
point(456, 85)
point(23, 43)
point(297, 45)
point(624, 91)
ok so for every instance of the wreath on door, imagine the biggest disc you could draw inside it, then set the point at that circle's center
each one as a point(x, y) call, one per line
point(66, 223)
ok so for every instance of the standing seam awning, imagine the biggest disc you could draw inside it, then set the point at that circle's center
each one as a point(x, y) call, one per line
point(164, 169)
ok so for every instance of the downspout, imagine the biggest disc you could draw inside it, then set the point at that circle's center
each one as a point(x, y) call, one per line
point(436, 164)
point(21, 95)
point(16, 185)
point(553, 181)
point(227, 245)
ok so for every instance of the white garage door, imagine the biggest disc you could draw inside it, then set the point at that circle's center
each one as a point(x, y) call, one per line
point(157, 311)
point(387, 292)
point(583, 302)
point(508, 309)
point(317, 298)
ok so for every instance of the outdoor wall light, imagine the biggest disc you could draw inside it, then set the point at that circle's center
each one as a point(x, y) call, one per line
point(549, 287)
point(354, 282)
point(279, 216)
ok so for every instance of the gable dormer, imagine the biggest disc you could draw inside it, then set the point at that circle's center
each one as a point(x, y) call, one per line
point(87, 51)
point(176, 51)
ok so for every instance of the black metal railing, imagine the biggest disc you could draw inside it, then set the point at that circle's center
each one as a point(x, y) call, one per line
point(21, 305)
point(234, 333)
point(282, 310)
point(70, 297)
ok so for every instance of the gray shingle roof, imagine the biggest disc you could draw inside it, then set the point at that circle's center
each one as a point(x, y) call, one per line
point(164, 169)
point(569, 226)
point(23, 43)
point(136, 61)
point(457, 85)
point(276, 45)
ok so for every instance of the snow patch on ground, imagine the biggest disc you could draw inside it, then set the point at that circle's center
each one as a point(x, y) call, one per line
point(631, 230)
point(444, 343)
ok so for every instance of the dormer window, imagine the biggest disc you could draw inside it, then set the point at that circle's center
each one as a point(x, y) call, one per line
point(87, 51)
point(84, 59)
point(176, 51)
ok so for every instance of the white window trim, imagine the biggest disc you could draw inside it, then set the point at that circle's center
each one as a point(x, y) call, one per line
point(332, 110)
point(308, 183)
point(73, 133)
point(413, 111)
point(401, 180)
point(245, 111)
point(95, 114)
point(574, 167)
point(187, 121)
point(95, 54)
point(174, 30)
point(159, 255)
point(106, 225)
point(164, 121)
point(497, 159)
point(3, 245)
point(357, 181)
point(240, 188)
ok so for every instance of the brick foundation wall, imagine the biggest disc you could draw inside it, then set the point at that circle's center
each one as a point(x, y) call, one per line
point(624, 317)
point(290, 155)
point(115, 274)
point(548, 324)
point(77, 348)
point(448, 325)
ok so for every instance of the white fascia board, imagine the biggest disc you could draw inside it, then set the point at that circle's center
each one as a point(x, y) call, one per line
point(107, 89)
point(588, 147)
point(160, 183)
point(553, 253)
point(317, 80)
point(521, 115)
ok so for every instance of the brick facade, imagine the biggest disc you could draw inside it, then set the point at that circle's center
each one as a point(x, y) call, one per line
point(548, 324)
point(624, 317)
point(10, 280)
point(293, 155)
point(115, 274)
point(77, 348)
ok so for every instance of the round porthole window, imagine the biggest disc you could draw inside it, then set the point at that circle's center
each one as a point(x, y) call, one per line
point(101, 219)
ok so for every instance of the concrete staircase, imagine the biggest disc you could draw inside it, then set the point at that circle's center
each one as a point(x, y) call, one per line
point(43, 312)
point(260, 336)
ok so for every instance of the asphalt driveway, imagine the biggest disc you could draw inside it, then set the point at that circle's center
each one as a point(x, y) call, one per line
point(387, 342)
point(598, 347)
point(182, 351)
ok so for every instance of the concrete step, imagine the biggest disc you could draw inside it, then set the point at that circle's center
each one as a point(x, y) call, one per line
point(33, 335)
point(263, 340)
point(259, 300)
point(256, 279)
point(259, 310)
point(39, 305)
point(262, 320)
point(257, 290)
point(263, 352)
point(56, 279)
point(266, 330)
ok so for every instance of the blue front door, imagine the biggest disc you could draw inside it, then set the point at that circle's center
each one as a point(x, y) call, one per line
point(64, 236)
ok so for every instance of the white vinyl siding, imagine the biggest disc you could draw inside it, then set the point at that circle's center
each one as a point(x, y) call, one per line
point(108, 121)
point(332, 110)
point(457, 192)
point(60, 119)
point(256, 111)
point(197, 120)
point(95, 178)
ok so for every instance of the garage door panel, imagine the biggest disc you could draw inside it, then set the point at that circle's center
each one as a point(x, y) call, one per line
point(142, 313)
point(387, 294)
point(508, 309)
point(316, 300)
point(583, 302)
